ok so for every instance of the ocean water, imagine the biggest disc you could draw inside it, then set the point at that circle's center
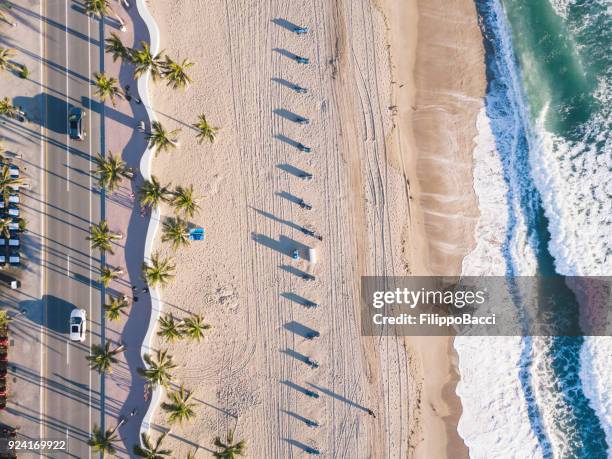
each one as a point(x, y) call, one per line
point(543, 176)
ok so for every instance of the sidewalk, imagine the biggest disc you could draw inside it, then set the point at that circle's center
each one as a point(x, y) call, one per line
point(24, 381)
point(124, 388)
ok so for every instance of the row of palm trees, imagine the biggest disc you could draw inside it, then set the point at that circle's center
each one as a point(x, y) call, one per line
point(158, 270)
point(159, 138)
point(103, 442)
point(159, 66)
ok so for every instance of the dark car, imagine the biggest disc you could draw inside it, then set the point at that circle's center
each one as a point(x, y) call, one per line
point(75, 124)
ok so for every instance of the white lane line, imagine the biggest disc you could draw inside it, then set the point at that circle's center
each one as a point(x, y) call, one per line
point(43, 252)
point(67, 105)
point(67, 353)
point(90, 211)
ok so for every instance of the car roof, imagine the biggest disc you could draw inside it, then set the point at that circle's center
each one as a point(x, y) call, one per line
point(78, 313)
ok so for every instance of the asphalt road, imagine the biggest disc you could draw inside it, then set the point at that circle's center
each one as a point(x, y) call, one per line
point(72, 399)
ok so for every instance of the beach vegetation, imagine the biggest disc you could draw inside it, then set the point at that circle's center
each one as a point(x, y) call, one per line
point(169, 328)
point(107, 274)
point(107, 88)
point(102, 358)
point(205, 130)
point(102, 441)
point(194, 327)
point(159, 369)
point(111, 170)
point(161, 139)
point(150, 450)
point(175, 230)
point(184, 201)
point(144, 61)
point(178, 408)
point(101, 237)
point(152, 193)
point(227, 448)
point(158, 271)
point(115, 307)
point(175, 73)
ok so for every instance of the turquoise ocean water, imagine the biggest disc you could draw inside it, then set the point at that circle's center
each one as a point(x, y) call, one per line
point(549, 73)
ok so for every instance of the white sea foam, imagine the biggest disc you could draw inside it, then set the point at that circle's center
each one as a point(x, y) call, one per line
point(495, 420)
point(575, 183)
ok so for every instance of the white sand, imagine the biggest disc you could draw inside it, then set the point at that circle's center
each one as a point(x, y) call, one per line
point(236, 278)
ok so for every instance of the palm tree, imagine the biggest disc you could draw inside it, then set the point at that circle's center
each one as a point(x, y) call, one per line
point(7, 109)
point(7, 183)
point(176, 231)
point(144, 61)
point(101, 9)
point(115, 47)
point(101, 237)
point(158, 271)
point(158, 371)
point(205, 130)
point(115, 307)
point(169, 328)
point(107, 274)
point(4, 5)
point(4, 228)
point(185, 201)
point(111, 170)
point(179, 408)
point(106, 88)
point(149, 450)
point(194, 327)
point(5, 320)
point(160, 139)
point(176, 73)
point(102, 441)
point(102, 358)
point(229, 450)
point(152, 193)
point(5, 58)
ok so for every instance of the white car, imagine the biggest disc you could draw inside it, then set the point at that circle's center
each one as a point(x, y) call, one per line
point(78, 322)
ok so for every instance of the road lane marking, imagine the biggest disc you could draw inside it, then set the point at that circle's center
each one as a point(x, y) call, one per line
point(100, 40)
point(67, 104)
point(43, 191)
point(67, 352)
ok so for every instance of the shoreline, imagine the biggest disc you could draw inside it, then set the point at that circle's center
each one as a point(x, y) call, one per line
point(415, 32)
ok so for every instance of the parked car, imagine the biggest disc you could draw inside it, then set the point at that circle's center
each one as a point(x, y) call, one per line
point(75, 123)
point(78, 325)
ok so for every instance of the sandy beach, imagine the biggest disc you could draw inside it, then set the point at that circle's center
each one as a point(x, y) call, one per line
point(392, 105)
